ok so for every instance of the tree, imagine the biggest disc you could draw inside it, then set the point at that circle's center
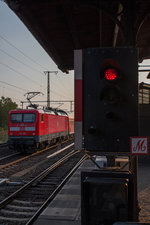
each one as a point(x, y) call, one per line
point(6, 104)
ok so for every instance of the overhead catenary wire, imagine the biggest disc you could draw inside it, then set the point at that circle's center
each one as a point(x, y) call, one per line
point(60, 85)
point(56, 84)
point(28, 78)
point(54, 92)
point(21, 74)
point(63, 86)
point(34, 69)
point(8, 42)
point(16, 99)
point(10, 89)
point(13, 85)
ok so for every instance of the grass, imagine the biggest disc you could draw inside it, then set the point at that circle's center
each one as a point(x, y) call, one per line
point(3, 136)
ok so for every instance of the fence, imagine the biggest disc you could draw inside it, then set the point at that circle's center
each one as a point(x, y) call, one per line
point(144, 93)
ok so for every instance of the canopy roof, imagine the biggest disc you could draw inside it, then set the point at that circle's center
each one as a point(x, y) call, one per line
point(61, 26)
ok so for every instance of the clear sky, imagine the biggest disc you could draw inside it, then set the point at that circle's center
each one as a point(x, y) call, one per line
point(23, 62)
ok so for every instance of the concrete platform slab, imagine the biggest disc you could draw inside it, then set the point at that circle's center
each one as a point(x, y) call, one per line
point(65, 207)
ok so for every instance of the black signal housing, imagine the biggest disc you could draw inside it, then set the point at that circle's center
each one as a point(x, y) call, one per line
point(110, 79)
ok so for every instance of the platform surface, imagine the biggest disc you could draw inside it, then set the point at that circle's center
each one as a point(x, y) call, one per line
point(65, 207)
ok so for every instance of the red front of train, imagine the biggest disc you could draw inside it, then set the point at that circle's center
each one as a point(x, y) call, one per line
point(31, 128)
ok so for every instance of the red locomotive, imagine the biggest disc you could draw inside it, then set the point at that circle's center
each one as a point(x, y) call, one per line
point(33, 128)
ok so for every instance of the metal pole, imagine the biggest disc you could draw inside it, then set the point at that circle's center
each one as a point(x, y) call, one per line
point(134, 170)
point(48, 90)
point(48, 85)
point(70, 106)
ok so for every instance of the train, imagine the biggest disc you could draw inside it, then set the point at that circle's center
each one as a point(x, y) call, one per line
point(33, 129)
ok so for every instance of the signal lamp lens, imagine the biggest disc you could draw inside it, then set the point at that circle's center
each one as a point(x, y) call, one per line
point(110, 94)
point(110, 74)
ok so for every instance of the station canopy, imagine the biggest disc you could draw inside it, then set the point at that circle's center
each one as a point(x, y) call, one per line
point(61, 26)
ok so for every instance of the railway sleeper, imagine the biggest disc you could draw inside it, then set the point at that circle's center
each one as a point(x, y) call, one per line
point(39, 189)
point(46, 185)
point(28, 197)
point(51, 178)
point(38, 192)
point(45, 190)
point(21, 208)
point(38, 195)
point(49, 183)
point(9, 213)
point(26, 203)
point(12, 219)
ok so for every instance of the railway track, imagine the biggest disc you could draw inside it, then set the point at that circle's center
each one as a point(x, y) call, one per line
point(2, 145)
point(14, 174)
point(8, 157)
point(15, 158)
point(24, 205)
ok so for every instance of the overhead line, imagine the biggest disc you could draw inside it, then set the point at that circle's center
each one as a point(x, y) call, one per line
point(10, 89)
point(58, 94)
point(12, 85)
point(21, 61)
point(21, 51)
point(21, 74)
point(16, 99)
point(26, 78)
point(62, 85)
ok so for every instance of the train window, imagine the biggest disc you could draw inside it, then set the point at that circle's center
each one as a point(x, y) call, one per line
point(42, 117)
point(29, 118)
point(16, 117)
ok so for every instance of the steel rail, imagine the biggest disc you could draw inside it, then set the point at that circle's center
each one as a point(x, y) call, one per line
point(28, 156)
point(9, 156)
point(51, 197)
point(38, 178)
point(4, 144)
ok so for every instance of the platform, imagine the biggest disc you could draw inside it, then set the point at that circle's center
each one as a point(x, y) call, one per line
point(65, 207)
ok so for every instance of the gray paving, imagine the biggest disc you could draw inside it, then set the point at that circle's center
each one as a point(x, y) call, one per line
point(65, 207)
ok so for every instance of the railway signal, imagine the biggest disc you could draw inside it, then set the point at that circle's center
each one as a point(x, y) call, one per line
point(110, 77)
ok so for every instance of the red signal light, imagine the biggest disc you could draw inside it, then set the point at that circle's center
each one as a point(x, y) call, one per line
point(110, 74)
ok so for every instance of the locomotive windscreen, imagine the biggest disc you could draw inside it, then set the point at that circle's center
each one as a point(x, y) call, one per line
point(23, 117)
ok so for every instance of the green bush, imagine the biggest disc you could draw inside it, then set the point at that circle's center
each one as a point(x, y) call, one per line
point(3, 136)
point(6, 104)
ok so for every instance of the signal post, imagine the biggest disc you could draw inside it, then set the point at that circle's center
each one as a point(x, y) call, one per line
point(110, 118)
